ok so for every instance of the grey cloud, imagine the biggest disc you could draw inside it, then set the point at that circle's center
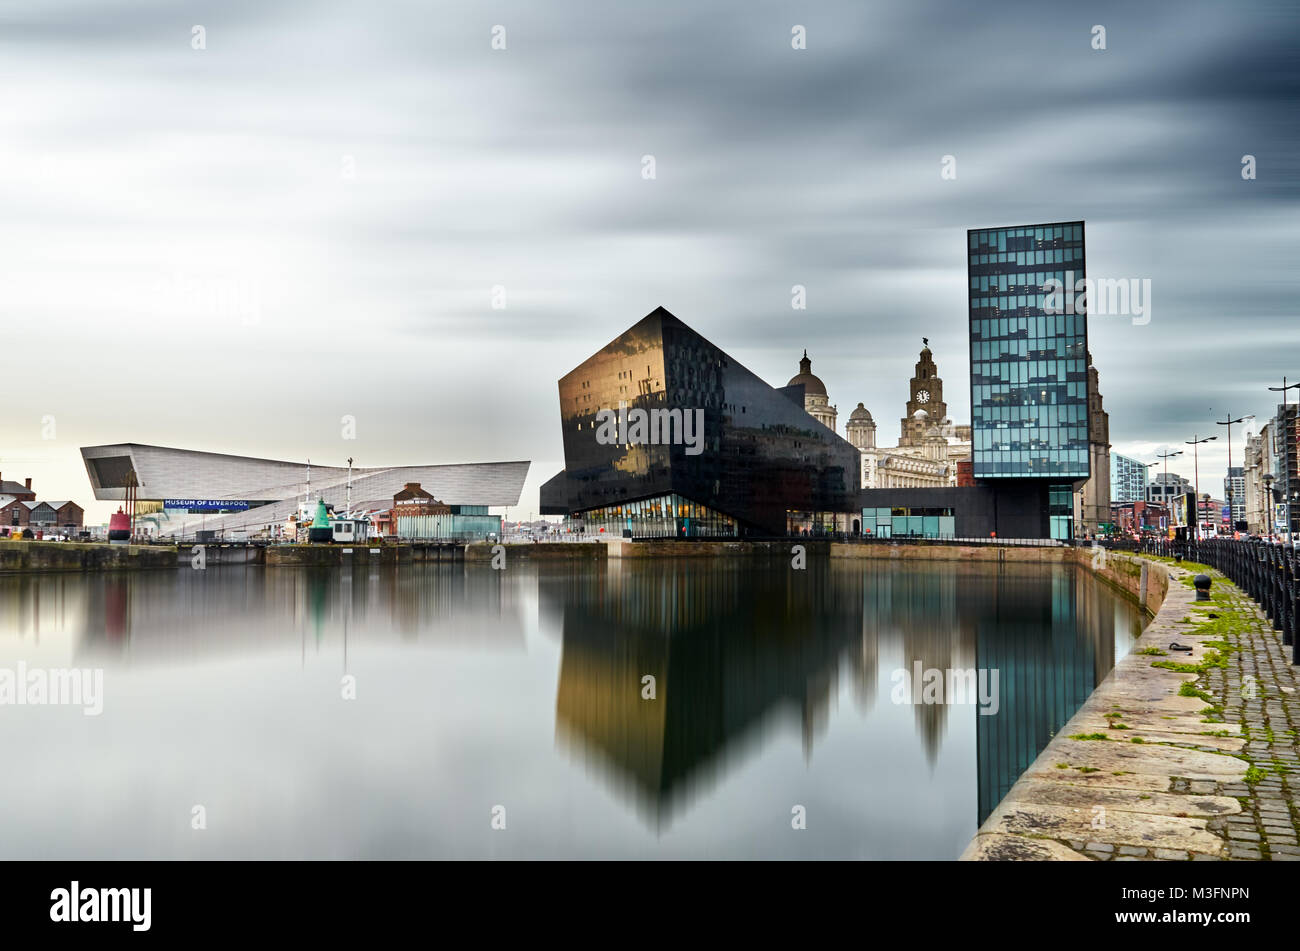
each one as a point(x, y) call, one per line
point(129, 157)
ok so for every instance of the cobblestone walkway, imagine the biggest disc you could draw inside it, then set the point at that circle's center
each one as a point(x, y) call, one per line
point(1258, 691)
point(1177, 756)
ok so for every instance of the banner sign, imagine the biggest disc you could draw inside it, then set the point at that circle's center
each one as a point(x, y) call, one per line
point(206, 505)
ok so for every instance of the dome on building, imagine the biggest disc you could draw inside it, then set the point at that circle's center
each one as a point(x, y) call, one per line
point(933, 435)
point(812, 386)
point(920, 414)
point(861, 415)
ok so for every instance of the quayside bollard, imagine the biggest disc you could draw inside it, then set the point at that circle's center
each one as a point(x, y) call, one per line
point(1202, 585)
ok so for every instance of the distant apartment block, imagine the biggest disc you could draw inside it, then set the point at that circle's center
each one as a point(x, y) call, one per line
point(1128, 479)
point(1234, 485)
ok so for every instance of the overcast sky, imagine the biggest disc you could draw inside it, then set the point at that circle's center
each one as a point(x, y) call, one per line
point(232, 248)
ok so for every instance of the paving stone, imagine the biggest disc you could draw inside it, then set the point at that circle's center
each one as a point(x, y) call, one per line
point(1171, 855)
point(987, 847)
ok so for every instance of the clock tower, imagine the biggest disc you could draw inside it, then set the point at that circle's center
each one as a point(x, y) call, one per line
point(925, 405)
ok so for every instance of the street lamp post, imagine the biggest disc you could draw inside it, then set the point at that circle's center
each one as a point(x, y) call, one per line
point(1272, 507)
point(1196, 464)
point(1166, 456)
point(1232, 516)
point(1286, 455)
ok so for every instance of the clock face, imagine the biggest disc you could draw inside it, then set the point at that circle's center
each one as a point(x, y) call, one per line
point(923, 396)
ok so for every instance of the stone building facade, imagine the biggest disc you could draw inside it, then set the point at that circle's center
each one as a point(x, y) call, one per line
point(930, 446)
point(1092, 499)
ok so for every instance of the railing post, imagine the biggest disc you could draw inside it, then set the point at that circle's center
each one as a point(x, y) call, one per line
point(1289, 599)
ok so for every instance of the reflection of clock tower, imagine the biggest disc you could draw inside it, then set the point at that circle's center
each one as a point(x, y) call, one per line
point(926, 396)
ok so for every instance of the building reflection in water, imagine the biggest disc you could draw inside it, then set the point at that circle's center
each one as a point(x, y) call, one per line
point(184, 616)
point(741, 651)
point(50, 605)
point(735, 648)
point(738, 651)
point(1053, 640)
point(929, 613)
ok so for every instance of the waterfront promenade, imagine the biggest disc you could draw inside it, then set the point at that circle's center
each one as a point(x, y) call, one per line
point(1180, 756)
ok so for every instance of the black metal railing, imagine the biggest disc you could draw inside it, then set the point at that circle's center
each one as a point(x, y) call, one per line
point(1267, 571)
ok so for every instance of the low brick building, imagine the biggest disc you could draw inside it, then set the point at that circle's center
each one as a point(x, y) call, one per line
point(418, 514)
point(19, 510)
point(16, 491)
point(55, 516)
point(14, 514)
point(1136, 517)
point(413, 501)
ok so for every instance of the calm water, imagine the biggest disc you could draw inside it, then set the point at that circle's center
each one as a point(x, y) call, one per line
point(523, 689)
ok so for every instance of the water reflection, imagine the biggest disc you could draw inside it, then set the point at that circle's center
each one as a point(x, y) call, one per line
point(773, 687)
point(189, 616)
point(731, 648)
point(737, 650)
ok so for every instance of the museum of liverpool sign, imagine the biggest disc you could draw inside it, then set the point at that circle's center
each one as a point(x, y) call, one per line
point(206, 505)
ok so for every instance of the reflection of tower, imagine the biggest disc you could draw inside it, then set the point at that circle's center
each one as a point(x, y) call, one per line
point(815, 714)
point(925, 607)
point(1043, 678)
point(866, 660)
point(731, 647)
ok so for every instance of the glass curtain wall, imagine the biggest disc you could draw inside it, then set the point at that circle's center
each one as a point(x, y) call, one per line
point(908, 522)
point(1029, 366)
point(664, 516)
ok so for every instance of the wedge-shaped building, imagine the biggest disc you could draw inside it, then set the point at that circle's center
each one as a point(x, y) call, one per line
point(667, 435)
point(210, 489)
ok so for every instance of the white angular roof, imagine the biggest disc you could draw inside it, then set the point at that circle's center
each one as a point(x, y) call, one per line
point(164, 473)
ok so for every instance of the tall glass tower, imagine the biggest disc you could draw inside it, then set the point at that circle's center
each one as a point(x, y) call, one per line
point(1029, 359)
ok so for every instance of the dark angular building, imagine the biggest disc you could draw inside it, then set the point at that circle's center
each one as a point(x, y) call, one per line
point(757, 464)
